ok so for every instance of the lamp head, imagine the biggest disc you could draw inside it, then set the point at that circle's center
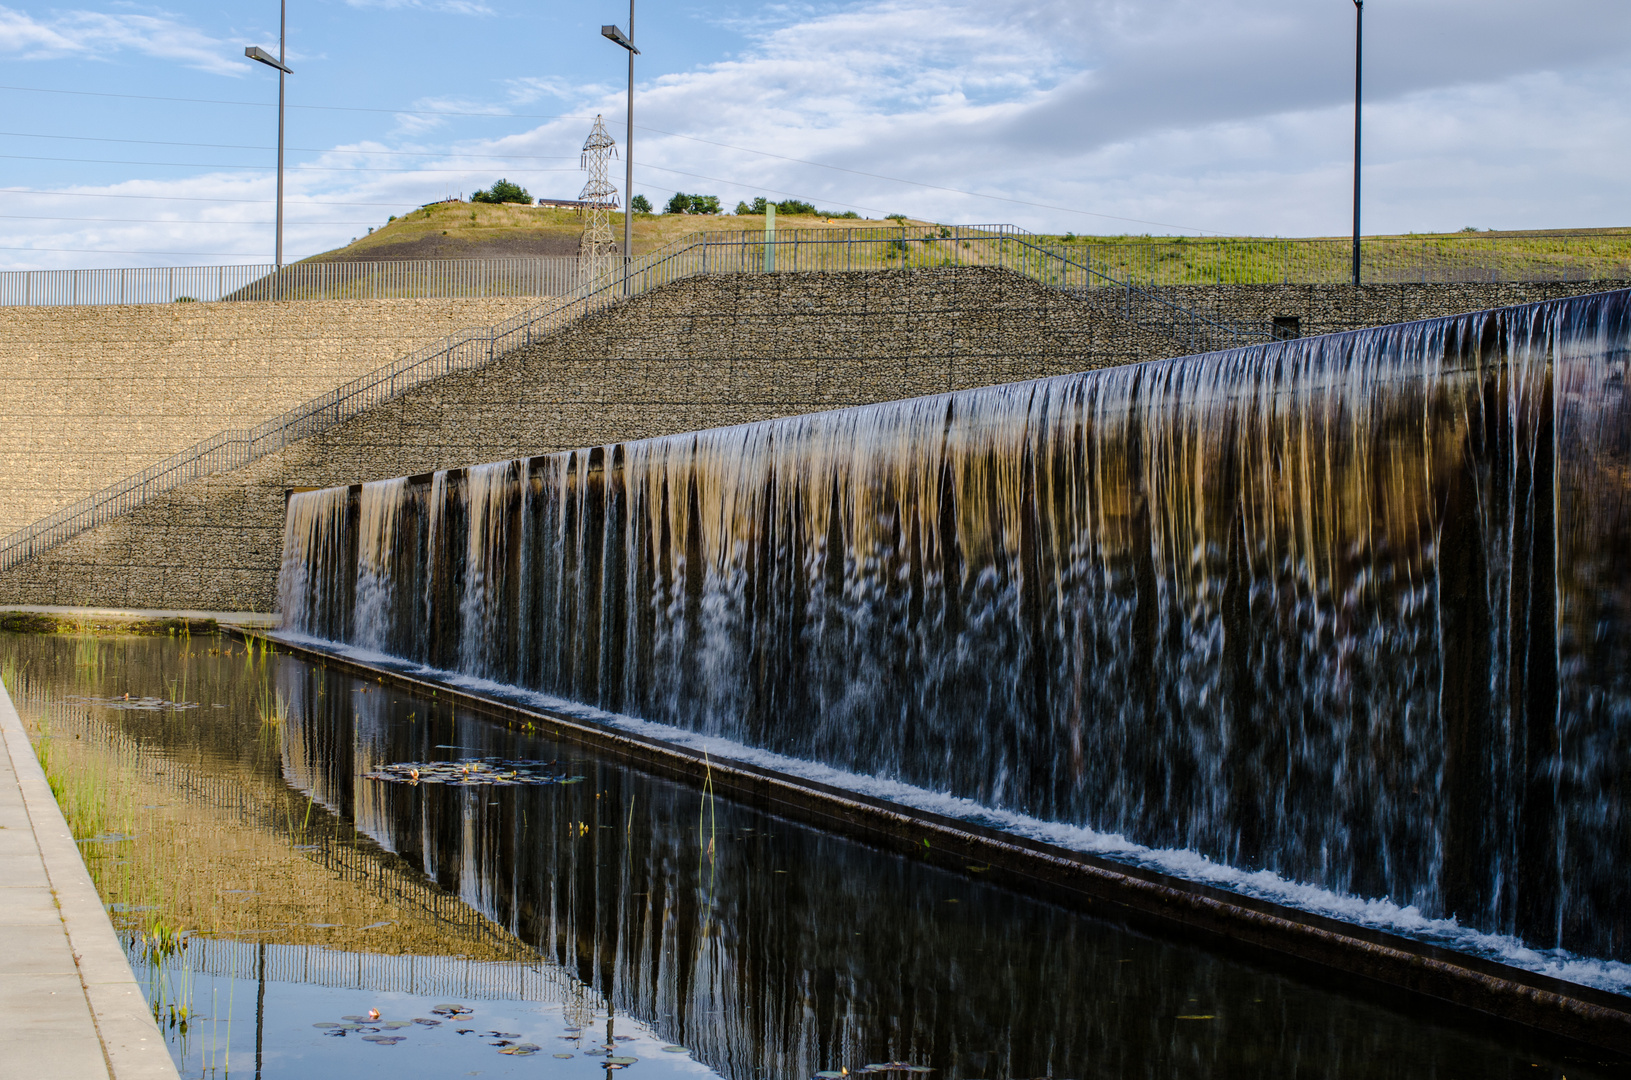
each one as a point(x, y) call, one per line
point(255, 52)
point(614, 34)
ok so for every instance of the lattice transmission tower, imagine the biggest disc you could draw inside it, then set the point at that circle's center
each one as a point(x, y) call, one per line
point(598, 254)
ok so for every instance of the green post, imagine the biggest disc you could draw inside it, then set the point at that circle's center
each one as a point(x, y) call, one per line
point(770, 236)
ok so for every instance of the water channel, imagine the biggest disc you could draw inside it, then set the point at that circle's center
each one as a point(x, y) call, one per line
point(270, 895)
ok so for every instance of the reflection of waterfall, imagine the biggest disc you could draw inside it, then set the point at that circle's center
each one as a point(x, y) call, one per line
point(1347, 608)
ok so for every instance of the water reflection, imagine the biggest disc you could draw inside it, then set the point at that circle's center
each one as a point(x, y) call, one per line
point(766, 948)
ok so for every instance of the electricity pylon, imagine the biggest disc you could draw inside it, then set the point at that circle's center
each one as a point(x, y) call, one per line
point(598, 254)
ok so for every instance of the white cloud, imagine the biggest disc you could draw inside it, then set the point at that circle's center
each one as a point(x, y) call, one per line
point(1219, 116)
point(94, 34)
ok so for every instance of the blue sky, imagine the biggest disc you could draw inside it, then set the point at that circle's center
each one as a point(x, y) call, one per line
point(135, 134)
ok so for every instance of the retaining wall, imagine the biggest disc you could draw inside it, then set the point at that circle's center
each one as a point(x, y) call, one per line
point(703, 352)
point(94, 394)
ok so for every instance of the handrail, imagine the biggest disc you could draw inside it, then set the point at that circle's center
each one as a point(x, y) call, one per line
point(702, 253)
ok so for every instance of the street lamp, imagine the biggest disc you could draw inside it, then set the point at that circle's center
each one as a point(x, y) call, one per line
point(1359, 47)
point(255, 52)
point(627, 41)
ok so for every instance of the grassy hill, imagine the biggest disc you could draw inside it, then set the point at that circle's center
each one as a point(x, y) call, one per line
point(461, 230)
point(1528, 255)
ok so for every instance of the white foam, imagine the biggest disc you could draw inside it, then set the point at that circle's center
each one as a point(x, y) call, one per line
point(1376, 913)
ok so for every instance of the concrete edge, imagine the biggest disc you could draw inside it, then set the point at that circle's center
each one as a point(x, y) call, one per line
point(131, 1042)
point(248, 620)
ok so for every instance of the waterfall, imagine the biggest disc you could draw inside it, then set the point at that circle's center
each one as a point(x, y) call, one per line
point(1352, 609)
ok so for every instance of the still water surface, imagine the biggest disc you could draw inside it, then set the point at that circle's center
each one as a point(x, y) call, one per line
point(263, 887)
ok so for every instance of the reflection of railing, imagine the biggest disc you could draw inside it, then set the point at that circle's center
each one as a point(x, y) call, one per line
point(400, 279)
point(452, 977)
point(907, 247)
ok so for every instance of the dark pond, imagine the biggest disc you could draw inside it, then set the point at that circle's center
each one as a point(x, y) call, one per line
point(270, 895)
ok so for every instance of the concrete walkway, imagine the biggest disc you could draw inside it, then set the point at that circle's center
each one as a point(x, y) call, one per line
point(72, 1007)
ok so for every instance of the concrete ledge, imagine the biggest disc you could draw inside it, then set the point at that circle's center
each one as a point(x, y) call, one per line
point(141, 619)
point(74, 1009)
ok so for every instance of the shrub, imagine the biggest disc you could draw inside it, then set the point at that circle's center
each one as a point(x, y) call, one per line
point(682, 203)
point(640, 204)
point(757, 206)
point(795, 206)
point(847, 214)
point(894, 217)
point(503, 191)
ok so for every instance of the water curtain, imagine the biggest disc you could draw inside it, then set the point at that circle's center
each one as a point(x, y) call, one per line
point(1352, 609)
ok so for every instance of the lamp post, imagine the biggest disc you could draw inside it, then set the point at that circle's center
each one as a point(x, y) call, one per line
point(627, 41)
point(255, 52)
point(1359, 52)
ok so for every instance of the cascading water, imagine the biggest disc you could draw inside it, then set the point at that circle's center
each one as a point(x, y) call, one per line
point(1350, 609)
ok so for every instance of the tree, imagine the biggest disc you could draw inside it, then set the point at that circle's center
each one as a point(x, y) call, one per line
point(682, 203)
point(503, 191)
point(640, 204)
point(790, 206)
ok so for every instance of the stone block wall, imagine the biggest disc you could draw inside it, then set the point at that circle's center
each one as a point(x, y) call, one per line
point(95, 394)
point(703, 352)
point(1330, 309)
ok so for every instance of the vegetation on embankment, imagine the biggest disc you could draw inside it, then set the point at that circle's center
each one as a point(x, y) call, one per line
point(1468, 255)
point(462, 230)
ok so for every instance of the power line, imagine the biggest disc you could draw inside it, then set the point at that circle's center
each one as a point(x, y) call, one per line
point(319, 108)
point(643, 127)
point(110, 251)
point(230, 167)
point(190, 198)
point(162, 221)
point(914, 183)
point(297, 149)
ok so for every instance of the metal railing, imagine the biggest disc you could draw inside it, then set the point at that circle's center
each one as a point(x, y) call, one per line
point(1149, 262)
point(913, 247)
point(410, 279)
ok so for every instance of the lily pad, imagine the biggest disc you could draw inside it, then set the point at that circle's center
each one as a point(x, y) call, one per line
point(831, 1074)
point(325, 1024)
point(392, 1025)
point(674, 1050)
point(621, 1060)
point(472, 772)
point(427, 1023)
point(563, 1055)
point(383, 1040)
